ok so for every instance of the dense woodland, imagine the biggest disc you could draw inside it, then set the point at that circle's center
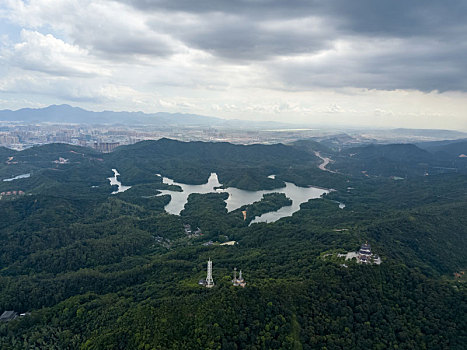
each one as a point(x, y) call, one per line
point(103, 271)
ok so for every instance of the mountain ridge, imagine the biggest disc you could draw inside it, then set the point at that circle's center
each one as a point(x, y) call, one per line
point(68, 114)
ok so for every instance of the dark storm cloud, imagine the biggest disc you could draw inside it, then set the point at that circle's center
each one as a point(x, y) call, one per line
point(119, 41)
point(394, 17)
point(386, 72)
point(234, 38)
point(254, 8)
point(116, 45)
point(429, 38)
point(399, 18)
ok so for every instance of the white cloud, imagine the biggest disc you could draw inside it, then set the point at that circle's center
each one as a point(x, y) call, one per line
point(45, 53)
point(105, 28)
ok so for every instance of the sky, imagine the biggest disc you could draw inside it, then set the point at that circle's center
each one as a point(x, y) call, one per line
point(363, 63)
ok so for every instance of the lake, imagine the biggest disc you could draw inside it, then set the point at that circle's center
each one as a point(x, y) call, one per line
point(115, 182)
point(238, 198)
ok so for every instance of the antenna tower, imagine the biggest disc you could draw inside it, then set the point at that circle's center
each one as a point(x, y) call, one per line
point(209, 280)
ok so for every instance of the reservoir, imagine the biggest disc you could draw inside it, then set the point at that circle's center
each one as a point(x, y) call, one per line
point(238, 198)
point(114, 182)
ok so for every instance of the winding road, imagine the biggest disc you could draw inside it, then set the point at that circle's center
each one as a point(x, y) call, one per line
point(325, 162)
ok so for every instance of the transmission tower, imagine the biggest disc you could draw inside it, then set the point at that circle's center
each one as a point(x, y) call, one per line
point(209, 280)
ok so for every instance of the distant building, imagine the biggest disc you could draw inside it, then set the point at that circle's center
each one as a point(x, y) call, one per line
point(189, 231)
point(229, 243)
point(61, 160)
point(8, 316)
point(365, 256)
point(187, 228)
point(106, 147)
point(12, 193)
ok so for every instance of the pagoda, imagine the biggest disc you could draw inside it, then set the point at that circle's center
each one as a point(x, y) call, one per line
point(364, 254)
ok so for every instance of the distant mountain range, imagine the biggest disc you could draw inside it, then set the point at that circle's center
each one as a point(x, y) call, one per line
point(332, 138)
point(76, 115)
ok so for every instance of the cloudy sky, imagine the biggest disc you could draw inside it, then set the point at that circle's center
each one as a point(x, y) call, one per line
point(385, 63)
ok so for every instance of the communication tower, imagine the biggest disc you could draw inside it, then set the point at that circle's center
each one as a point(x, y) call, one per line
point(238, 282)
point(209, 280)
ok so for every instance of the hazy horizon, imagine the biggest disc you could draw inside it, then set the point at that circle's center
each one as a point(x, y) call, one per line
point(285, 125)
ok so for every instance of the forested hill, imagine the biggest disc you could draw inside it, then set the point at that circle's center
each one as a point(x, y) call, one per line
point(97, 270)
point(217, 152)
point(448, 149)
point(242, 166)
point(5, 152)
point(401, 160)
point(394, 152)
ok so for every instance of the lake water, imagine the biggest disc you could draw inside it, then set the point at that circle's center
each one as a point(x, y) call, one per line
point(22, 176)
point(238, 198)
point(179, 199)
point(114, 182)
